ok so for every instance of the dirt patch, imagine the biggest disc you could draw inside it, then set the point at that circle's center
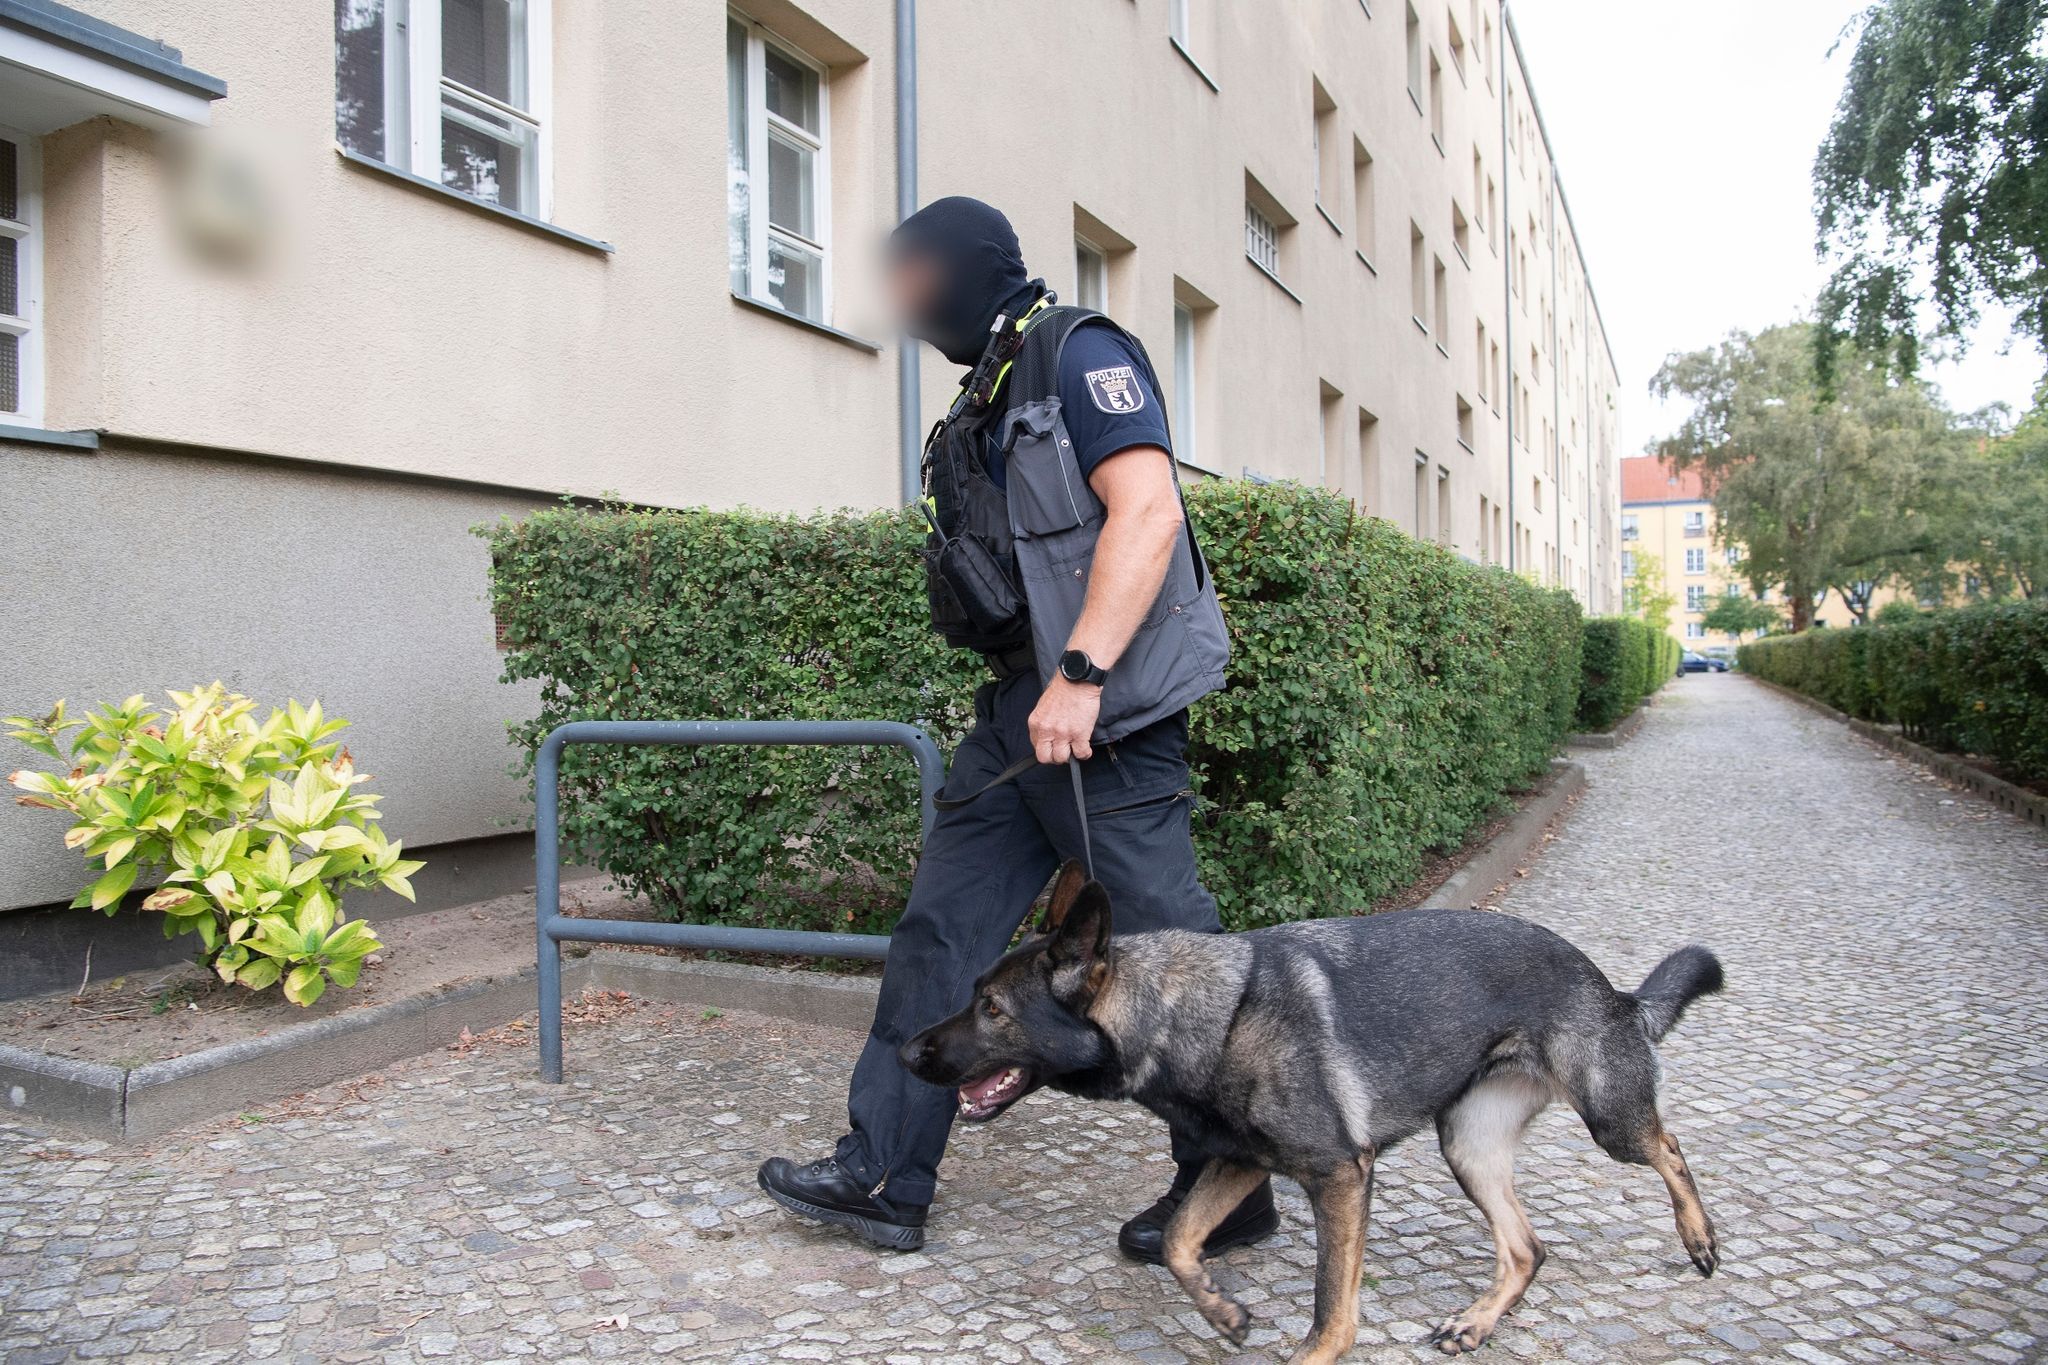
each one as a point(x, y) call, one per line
point(171, 1011)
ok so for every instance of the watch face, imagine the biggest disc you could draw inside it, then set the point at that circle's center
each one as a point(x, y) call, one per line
point(1074, 666)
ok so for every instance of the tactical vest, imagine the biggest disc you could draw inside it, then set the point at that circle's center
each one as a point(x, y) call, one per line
point(1007, 569)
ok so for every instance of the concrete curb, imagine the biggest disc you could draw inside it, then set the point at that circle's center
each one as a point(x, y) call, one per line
point(2011, 799)
point(846, 1002)
point(1623, 731)
point(1495, 864)
point(142, 1102)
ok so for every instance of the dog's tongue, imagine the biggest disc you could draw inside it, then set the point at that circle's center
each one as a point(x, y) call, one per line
point(979, 1092)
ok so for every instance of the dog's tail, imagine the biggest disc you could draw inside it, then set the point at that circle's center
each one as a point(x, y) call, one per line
point(1676, 982)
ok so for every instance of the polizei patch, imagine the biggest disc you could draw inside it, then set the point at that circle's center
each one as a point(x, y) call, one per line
point(1115, 389)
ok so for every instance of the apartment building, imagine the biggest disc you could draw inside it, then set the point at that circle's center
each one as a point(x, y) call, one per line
point(301, 293)
point(1667, 515)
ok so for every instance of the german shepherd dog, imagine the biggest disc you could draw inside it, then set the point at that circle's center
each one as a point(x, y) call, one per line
point(1308, 1049)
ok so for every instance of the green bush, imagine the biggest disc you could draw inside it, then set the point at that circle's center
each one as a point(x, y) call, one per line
point(1973, 680)
point(1384, 696)
point(249, 830)
point(1624, 660)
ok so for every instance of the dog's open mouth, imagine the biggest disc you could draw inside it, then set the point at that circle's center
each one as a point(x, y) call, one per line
point(983, 1099)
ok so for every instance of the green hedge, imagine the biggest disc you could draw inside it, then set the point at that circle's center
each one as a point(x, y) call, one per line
point(1973, 680)
point(1384, 696)
point(1623, 661)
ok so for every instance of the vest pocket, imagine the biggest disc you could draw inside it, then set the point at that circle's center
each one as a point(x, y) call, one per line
point(1046, 490)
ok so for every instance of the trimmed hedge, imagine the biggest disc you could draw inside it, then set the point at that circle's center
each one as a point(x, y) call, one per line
point(1624, 661)
point(1973, 680)
point(1384, 696)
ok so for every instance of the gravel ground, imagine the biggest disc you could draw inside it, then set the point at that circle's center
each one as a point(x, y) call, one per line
point(1862, 1110)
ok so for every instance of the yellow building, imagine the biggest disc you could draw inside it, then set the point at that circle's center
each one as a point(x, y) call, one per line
point(1668, 515)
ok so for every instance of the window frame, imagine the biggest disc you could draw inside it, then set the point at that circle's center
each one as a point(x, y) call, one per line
point(26, 326)
point(760, 233)
point(414, 84)
point(1260, 231)
point(1695, 559)
point(1186, 378)
point(1091, 264)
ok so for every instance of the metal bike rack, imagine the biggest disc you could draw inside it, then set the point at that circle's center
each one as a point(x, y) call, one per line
point(553, 929)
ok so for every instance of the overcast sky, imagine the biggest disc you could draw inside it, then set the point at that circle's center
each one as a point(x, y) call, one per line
point(1685, 136)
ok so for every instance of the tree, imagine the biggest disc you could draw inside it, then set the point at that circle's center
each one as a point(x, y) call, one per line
point(1740, 615)
point(1932, 183)
point(1998, 508)
point(1646, 593)
point(1822, 490)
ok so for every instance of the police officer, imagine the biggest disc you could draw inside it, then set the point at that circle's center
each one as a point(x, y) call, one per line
point(1060, 551)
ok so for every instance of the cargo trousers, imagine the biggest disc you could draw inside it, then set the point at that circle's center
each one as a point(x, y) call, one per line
point(983, 866)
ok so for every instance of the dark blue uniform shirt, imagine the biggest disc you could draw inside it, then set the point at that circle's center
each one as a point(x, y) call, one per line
point(1106, 397)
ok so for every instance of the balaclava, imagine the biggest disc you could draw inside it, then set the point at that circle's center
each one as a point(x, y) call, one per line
point(981, 273)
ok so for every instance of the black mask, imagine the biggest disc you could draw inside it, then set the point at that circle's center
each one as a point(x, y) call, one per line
point(980, 273)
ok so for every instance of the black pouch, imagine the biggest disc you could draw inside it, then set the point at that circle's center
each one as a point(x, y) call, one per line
point(974, 603)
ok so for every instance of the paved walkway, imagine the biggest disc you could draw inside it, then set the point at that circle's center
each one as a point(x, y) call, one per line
point(1862, 1108)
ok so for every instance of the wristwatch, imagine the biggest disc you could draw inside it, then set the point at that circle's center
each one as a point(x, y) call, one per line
point(1077, 667)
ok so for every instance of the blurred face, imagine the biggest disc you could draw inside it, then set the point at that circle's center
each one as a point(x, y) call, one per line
point(913, 283)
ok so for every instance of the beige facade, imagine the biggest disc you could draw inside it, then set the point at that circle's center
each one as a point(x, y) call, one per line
point(221, 284)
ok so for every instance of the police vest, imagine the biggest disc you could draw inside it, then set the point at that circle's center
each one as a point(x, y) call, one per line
point(1008, 568)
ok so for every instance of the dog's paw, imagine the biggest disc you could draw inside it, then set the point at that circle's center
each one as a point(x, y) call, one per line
point(1705, 1253)
point(1231, 1318)
point(1459, 1335)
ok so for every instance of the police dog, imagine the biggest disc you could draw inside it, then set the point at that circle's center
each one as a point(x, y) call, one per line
point(1308, 1049)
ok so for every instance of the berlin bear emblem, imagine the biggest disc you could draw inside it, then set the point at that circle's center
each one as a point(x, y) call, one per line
point(1115, 389)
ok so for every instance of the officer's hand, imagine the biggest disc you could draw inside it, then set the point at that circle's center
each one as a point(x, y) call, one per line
point(1064, 719)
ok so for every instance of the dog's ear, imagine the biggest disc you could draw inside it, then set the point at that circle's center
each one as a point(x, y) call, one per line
point(1083, 932)
point(1065, 888)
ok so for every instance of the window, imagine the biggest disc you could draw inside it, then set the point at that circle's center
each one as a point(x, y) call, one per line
point(21, 278)
point(1628, 563)
point(1732, 590)
point(1415, 58)
point(1694, 630)
point(1177, 25)
point(1479, 359)
point(1464, 422)
point(1184, 434)
point(1418, 278)
point(1457, 43)
point(1536, 494)
point(452, 90)
point(1695, 560)
point(1368, 461)
point(1327, 149)
point(1362, 188)
point(1443, 506)
point(1442, 283)
point(1630, 528)
point(1695, 597)
point(1734, 554)
point(1696, 523)
point(1461, 233)
point(1091, 276)
point(776, 140)
point(1493, 374)
point(1436, 104)
point(1261, 239)
point(1421, 526)
point(1485, 520)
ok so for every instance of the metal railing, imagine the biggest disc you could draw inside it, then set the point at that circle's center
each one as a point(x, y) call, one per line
point(552, 928)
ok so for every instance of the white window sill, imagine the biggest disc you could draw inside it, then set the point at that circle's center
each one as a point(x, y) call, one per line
point(1274, 278)
point(1334, 226)
point(1420, 325)
point(527, 221)
point(1366, 261)
point(844, 338)
point(1189, 58)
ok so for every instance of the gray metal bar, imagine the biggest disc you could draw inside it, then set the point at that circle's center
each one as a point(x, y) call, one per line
point(908, 400)
point(552, 928)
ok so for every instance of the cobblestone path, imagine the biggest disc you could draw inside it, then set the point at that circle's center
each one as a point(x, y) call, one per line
point(1862, 1108)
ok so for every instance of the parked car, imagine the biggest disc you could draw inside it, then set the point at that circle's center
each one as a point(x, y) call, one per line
point(1689, 662)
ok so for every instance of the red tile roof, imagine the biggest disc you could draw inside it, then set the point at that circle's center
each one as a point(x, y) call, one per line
point(1646, 478)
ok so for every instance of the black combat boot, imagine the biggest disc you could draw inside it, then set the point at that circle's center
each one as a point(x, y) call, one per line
point(827, 1192)
point(1253, 1220)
